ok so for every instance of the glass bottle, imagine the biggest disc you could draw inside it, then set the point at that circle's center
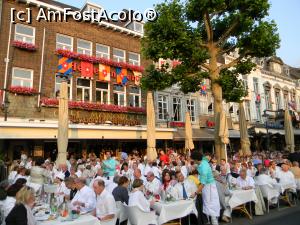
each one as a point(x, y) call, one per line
point(53, 204)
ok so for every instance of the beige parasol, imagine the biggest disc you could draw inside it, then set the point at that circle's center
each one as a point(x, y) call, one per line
point(189, 144)
point(245, 143)
point(151, 141)
point(63, 124)
point(289, 131)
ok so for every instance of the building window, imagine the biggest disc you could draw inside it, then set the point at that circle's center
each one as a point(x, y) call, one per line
point(268, 99)
point(245, 82)
point(57, 87)
point(134, 96)
point(102, 51)
point(247, 110)
point(83, 90)
point(102, 92)
point(119, 95)
point(203, 107)
point(134, 58)
point(135, 26)
point(64, 42)
point(118, 55)
point(24, 33)
point(285, 99)
point(255, 85)
point(177, 109)
point(84, 47)
point(162, 101)
point(191, 107)
point(22, 77)
point(277, 99)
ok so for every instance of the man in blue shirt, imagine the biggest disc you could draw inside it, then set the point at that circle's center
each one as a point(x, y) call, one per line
point(109, 166)
point(211, 202)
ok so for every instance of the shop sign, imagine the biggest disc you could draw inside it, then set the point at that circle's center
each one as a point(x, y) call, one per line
point(77, 116)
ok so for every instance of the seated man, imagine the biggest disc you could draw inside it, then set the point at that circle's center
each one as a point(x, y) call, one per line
point(296, 171)
point(152, 185)
point(105, 206)
point(245, 182)
point(286, 178)
point(185, 188)
point(85, 199)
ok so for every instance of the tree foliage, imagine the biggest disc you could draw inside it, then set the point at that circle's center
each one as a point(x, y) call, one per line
point(195, 32)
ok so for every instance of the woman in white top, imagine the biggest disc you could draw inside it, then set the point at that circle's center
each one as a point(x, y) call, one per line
point(137, 198)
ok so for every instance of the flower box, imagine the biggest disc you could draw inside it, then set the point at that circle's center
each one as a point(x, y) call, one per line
point(24, 45)
point(93, 59)
point(89, 106)
point(22, 90)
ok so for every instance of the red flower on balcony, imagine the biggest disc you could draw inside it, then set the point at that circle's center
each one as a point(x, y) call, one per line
point(22, 90)
point(24, 45)
point(93, 59)
point(53, 102)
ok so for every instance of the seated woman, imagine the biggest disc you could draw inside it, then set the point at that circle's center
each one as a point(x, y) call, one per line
point(21, 214)
point(168, 183)
point(137, 198)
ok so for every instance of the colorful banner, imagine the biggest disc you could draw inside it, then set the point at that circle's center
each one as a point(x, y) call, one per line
point(137, 78)
point(87, 69)
point(65, 66)
point(104, 72)
point(121, 76)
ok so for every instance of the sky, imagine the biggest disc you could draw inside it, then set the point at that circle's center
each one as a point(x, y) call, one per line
point(286, 14)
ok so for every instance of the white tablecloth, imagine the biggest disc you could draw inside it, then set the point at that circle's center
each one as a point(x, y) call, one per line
point(174, 210)
point(240, 197)
point(82, 220)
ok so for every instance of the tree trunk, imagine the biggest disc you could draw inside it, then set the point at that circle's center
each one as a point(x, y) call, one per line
point(218, 107)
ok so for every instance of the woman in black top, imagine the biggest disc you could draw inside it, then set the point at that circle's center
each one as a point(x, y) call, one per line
point(120, 192)
point(21, 214)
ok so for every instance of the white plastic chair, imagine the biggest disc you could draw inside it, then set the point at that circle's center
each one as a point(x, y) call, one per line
point(122, 215)
point(269, 193)
point(110, 222)
point(137, 217)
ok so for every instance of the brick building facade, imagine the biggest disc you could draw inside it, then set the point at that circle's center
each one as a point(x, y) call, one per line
point(30, 86)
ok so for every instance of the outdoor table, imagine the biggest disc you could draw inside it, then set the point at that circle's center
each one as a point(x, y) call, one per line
point(168, 211)
point(239, 198)
point(81, 220)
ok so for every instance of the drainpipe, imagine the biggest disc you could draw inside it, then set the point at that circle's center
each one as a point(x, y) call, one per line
point(6, 63)
point(42, 69)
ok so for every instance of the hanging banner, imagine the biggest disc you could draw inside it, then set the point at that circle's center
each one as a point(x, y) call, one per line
point(65, 66)
point(137, 78)
point(104, 72)
point(87, 69)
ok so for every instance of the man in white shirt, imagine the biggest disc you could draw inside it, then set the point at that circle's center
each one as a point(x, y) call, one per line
point(184, 188)
point(152, 185)
point(85, 199)
point(106, 208)
point(245, 182)
point(286, 177)
point(138, 175)
point(98, 176)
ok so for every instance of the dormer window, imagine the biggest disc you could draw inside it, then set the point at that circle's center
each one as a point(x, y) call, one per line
point(136, 26)
point(287, 71)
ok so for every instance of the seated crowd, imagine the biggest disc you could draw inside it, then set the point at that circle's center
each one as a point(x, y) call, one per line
point(95, 185)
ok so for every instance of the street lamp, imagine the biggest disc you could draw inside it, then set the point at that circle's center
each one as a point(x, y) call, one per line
point(265, 115)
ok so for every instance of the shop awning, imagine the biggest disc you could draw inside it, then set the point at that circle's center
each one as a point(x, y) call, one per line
point(198, 134)
point(271, 131)
point(48, 130)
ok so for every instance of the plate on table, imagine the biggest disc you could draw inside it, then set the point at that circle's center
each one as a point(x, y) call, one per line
point(42, 217)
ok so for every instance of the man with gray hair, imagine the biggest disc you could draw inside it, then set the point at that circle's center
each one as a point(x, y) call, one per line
point(152, 185)
point(85, 199)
